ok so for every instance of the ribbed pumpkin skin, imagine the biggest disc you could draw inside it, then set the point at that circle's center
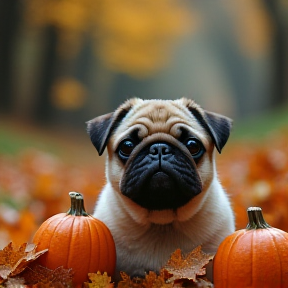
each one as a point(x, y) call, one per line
point(255, 258)
point(82, 243)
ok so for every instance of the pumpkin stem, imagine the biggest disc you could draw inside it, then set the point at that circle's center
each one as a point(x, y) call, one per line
point(256, 219)
point(77, 205)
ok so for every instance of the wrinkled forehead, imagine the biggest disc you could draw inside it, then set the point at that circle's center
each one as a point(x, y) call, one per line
point(161, 116)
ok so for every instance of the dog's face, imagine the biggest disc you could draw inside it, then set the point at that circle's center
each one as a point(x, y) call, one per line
point(160, 152)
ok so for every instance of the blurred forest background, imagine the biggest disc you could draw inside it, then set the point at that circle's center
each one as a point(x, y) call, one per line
point(63, 62)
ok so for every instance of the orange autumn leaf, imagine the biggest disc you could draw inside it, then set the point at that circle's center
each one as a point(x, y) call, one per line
point(21, 231)
point(14, 261)
point(41, 277)
point(99, 280)
point(187, 267)
point(151, 280)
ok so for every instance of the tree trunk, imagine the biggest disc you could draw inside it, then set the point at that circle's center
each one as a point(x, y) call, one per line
point(9, 20)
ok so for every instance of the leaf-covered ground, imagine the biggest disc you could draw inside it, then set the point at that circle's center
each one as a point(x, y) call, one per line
point(34, 184)
point(19, 268)
point(255, 173)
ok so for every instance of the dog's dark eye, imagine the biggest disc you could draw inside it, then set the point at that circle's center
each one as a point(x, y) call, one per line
point(125, 148)
point(195, 147)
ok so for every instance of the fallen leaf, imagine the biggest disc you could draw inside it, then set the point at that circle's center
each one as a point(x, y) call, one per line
point(127, 282)
point(199, 283)
point(186, 267)
point(41, 277)
point(99, 280)
point(14, 261)
point(151, 280)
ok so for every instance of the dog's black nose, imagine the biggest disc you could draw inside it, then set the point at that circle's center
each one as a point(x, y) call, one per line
point(160, 149)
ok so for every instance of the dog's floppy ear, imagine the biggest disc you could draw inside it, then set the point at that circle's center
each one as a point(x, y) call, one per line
point(217, 125)
point(101, 128)
point(219, 128)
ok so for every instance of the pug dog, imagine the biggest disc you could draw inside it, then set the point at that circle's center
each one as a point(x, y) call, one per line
point(162, 191)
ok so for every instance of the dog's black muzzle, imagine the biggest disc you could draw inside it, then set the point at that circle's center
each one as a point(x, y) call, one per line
point(161, 176)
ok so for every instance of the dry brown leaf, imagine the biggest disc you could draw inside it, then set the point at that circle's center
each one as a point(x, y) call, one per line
point(151, 280)
point(199, 283)
point(127, 282)
point(186, 267)
point(43, 277)
point(14, 261)
point(99, 280)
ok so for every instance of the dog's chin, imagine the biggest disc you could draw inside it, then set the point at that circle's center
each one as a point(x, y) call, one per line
point(162, 217)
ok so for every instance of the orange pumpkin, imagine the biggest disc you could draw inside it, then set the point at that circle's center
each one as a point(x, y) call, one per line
point(76, 240)
point(253, 257)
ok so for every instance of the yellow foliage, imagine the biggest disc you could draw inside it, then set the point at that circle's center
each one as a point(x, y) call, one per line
point(68, 93)
point(99, 280)
point(133, 37)
point(253, 26)
point(64, 14)
point(72, 18)
point(137, 36)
